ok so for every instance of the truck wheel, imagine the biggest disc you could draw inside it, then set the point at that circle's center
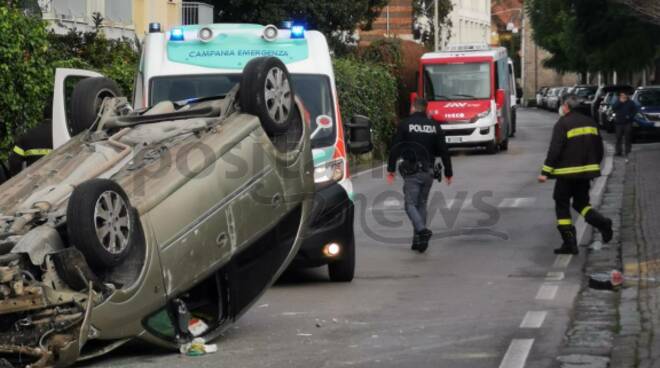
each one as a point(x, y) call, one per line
point(344, 269)
point(267, 91)
point(492, 147)
point(514, 120)
point(101, 222)
point(86, 100)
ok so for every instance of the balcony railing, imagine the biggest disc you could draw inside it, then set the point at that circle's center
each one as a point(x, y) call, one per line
point(196, 13)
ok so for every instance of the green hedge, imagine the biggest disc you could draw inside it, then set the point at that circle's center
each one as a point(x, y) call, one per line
point(25, 75)
point(368, 89)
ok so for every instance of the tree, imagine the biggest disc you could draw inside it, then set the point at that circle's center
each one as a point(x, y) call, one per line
point(424, 13)
point(335, 18)
point(592, 35)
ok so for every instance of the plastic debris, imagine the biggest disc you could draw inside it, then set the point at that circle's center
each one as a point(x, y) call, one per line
point(197, 327)
point(197, 347)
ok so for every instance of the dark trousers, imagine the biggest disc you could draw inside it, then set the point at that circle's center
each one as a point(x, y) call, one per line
point(623, 133)
point(566, 190)
point(416, 190)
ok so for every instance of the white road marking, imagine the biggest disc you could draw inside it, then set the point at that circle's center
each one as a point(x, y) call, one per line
point(533, 319)
point(562, 260)
point(516, 355)
point(554, 276)
point(466, 203)
point(517, 202)
point(547, 292)
point(392, 203)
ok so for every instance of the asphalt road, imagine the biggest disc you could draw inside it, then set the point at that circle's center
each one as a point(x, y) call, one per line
point(489, 292)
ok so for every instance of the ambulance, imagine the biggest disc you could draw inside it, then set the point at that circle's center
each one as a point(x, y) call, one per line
point(469, 91)
point(201, 61)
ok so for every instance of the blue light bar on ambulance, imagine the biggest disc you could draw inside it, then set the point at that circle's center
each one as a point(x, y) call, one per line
point(176, 34)
point(297, 32)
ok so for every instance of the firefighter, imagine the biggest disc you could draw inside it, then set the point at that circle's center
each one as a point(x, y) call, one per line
point(33, 145)
point(574, 158)
point(419, 140)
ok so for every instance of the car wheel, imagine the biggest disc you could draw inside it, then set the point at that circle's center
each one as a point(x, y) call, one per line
point(514, 118)
point(267, 91)
point(492, 147)
point(86, 101)
point(101, 222)
point(344, 269)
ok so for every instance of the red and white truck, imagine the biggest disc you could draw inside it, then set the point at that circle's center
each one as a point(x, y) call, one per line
point(468, 88)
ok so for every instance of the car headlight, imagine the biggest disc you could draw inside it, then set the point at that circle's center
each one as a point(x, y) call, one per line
point(480, 115)
point(331, 171)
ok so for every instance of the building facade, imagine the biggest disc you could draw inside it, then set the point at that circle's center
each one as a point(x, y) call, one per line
point(395, 20)
point(122, 18)
point(470, 23)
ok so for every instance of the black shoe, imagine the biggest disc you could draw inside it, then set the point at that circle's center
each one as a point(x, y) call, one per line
point(602, 223)
point(424, 237)
point(415, 242)
point(570, 242)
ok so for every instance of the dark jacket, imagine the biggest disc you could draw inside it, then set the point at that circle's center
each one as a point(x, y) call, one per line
point(31, 146)
point(625, 112)
point(576, 150)
point(419, 140)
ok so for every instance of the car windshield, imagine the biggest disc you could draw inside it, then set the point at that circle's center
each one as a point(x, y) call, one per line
point(649, 98)
point(314, 90)
point(468, 81)
point(585, 91)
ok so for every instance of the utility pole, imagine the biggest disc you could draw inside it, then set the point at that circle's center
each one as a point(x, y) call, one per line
point(436, 24)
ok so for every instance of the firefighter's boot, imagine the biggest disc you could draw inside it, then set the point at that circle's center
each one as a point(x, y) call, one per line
point(570, 242)
point(600, 222)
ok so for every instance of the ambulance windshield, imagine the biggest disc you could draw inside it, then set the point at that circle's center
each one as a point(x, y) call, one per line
point(314, 90)
point(462, 81)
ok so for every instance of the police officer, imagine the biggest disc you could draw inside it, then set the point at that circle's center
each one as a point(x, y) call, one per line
point(418, 141)
point(33, 145)
point(574, 157)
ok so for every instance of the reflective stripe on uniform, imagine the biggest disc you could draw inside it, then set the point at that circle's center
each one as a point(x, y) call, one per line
point(31, 152)
point(548, 169)
point(582, 131)
point(576, 169)
point(585, 211)
point(563, 222)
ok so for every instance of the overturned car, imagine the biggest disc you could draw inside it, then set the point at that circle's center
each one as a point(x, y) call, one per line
point(164, 224)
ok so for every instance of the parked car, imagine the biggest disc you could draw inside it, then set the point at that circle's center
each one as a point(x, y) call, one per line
point(648, 119)
point(552, 99)
point(600, 94)
point(585, 94)
point(539, 96)
point(162, 224)
point(605, 113)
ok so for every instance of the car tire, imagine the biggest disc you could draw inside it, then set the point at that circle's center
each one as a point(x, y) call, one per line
point(101, 223)
point(514, 121)
point(266, 91)
point(344, 269)
point(86, 100)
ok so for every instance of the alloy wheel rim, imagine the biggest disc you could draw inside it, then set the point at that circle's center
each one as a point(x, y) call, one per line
point(278, 95)
point(112, 222)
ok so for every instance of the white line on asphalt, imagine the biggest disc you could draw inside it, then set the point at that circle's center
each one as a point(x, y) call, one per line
point(517, 202)
point(533, 319)
point(517, 353)
point(562, 260)
point(547, 292)
point(554, 276)
point(367, 171)
point(392, 203)
point(466, 203)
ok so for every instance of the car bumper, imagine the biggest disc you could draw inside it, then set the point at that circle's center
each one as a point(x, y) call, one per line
point(465, 135)
point(331, 221)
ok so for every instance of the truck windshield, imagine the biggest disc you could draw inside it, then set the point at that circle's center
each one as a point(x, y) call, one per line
point(314, 91)
point(447, 82)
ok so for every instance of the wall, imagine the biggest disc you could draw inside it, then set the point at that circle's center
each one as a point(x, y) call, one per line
point(64, 15)
point(165, 12)
point(399, 23)
point(470, 23)
point(534, 74)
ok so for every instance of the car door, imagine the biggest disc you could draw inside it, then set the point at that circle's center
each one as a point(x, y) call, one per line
point(65, 79)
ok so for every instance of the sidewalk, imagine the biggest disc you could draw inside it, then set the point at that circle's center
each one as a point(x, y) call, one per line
point(616, 328)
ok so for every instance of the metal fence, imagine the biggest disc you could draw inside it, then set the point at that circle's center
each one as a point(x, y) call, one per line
point(196, 13)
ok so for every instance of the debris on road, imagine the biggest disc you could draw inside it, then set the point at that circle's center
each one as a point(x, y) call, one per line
point(198, 347)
